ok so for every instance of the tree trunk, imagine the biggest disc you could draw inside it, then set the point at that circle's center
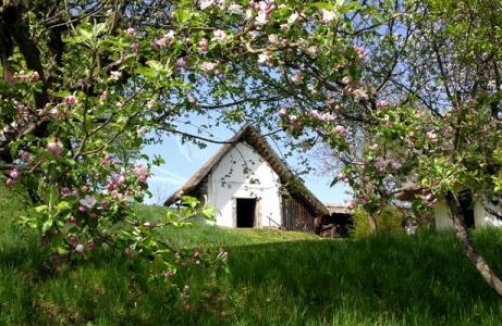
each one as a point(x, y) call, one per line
point(463, 237)
point(372, 223)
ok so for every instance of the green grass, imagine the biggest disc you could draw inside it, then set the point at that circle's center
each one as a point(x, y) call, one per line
point(275, 279)
point(197, 234)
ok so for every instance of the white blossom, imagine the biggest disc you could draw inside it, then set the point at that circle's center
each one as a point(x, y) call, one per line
point(327, 16)
point(88, 201)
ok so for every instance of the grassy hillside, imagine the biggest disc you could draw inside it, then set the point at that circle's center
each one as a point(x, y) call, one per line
point(196, 235)
point(384, 280)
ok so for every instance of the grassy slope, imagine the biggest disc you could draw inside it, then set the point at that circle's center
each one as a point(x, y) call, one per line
point(385, 280)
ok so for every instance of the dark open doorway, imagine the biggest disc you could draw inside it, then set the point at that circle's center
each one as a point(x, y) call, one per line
point(467, 204)
point(246, 212)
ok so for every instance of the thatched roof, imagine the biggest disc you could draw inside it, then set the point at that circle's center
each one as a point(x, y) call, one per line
point(252, 137)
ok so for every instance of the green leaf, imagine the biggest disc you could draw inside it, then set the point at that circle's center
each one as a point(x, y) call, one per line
point(42, 209)
point(190, 201)
point(47, 225)
point(147, 72)
point(99, 28)
point(85, 33)
point(209, 213)
point(155, 65)
point(63, 206)
point(324, 5)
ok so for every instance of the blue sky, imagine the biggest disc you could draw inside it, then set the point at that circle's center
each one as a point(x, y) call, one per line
point(183, 160)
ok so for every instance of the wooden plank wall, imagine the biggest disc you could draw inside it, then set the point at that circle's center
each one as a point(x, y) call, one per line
point(296, 216)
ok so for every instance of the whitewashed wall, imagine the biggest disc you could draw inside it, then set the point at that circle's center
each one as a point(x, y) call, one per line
point(443, 216)
point(242, 173)
point(481, 217)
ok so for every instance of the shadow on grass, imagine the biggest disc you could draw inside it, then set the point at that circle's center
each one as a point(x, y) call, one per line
point(422, 279)
point(382, 280)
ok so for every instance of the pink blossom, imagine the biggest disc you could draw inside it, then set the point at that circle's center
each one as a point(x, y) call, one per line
point(293, 118)
point(382, 104)
point(82, 209)
point(339, 129)
point(72, 238)
point(234, 8)
point(128, 252)
point(115, 75)
point(91, 246)
point(64, 191)
point(70, 99)
point(362, 200)
point(203, 46)
point(328, 117)
point(433, 137)
point(296, 78)
point(361, 53)
point(111, 183)
point(327, 16)
point(55, 113)
point(141, 173)
point(142, 178)
point(164, 41)
point(80, 248)
point(351, 204)
point(329, 101)
point(135, 47)
point(282, 111)
point(220, 36)
point(311, 51)
point(396, 165)
point(35, 76)
point(55, 147)
point(14, 174)
point(24, 155)
point(181, 63)
point(192, 100)
point(360, 94)
point(380, 164)
point(315, 114)
point(116, 195)
point(9, 182)
point(105, 204)
point(342, 177)
point(73, 220)
point(262, 18)
point(293, 18)
point(130, 31)
point(121, 179)
point(88, 201)
point(273, 39)
point(265, 57)
point(207, 66)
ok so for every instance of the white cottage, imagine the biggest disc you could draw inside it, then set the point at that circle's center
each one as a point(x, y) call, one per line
point(476, 211)
point(251, 186)
point(475, 215)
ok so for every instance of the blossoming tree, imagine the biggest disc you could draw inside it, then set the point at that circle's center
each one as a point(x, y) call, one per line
point(389, 86)
point(398, 95)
